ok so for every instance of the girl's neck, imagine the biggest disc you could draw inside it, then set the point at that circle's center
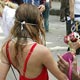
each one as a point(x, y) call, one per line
point(24, 41)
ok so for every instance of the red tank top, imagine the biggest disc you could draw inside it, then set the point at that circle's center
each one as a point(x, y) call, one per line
point(43, 75)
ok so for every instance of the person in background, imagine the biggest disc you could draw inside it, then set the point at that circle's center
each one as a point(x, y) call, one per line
point(74, 15)
point(7, 16)
point(24, 48)
point(64, 10)
point(39, 3)
point(46, 14)
point(74, 18)
point(74, 10)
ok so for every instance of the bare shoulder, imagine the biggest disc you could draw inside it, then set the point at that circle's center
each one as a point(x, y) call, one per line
point(4, 50)
point(43, 50)
point(42, 47)
point(3, 55)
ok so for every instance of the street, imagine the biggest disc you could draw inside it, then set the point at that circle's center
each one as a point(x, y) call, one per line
point(54, 41)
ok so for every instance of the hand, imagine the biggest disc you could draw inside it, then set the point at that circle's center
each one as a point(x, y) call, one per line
point(71, 15)
point(41, 8)
point(64, 66)
point(74, 45)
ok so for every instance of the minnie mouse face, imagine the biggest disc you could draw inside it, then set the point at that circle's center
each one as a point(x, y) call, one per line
point(73, 37)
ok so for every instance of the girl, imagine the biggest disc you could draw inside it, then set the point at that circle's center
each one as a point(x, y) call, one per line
point(24, 48)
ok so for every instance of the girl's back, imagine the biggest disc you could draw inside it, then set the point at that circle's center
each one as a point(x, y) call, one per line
point(28, 61)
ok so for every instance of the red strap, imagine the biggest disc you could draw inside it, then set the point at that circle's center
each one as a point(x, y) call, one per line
point(27, 58)
point(7, 51)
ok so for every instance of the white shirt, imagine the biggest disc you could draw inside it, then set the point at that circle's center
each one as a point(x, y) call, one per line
point(8, 18)
point(77, 9)
point(47, 0)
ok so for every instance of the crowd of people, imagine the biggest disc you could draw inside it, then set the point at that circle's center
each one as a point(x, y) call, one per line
point(24, 47)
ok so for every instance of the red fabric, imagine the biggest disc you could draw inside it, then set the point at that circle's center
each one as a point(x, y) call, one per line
point(43, 75)
point(27, 58)
point(7, 52)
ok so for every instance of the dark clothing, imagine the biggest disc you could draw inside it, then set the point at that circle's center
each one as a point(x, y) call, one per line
point(64, 9)
point(42, 1)
point(36, 2)
point(46, 16)
point(17, 1)
point(22, 1)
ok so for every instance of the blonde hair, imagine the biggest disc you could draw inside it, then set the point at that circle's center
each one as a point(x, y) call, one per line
point(7, 3)
point(28, 23)
point(32, 27)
